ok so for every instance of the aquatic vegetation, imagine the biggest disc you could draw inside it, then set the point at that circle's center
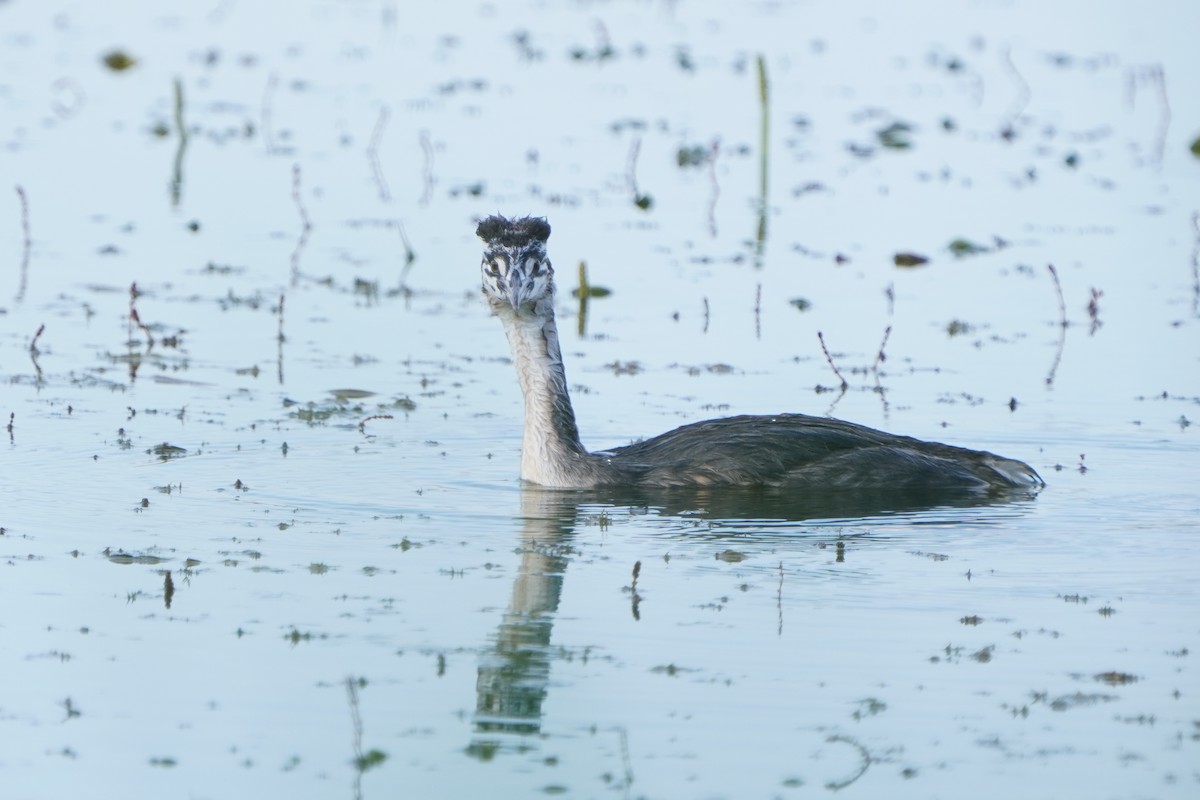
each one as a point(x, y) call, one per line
point(965, 247)
point(904, 259)
point(119, 60)
point(896, 136)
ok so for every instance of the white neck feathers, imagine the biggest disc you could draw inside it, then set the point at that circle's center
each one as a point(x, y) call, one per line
point(551, 453)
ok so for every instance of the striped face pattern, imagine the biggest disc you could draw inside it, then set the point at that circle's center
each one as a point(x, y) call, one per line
point(516, 271)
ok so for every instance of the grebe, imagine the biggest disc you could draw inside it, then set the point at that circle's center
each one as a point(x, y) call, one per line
point(790, 451)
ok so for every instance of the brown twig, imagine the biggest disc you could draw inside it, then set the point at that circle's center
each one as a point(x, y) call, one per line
point(829, 358)
point(1062, 303)
point(133, 315)
point(33, 348)
point(34, 353)
point(362, 424)
point(134, 319)
point(881, 356)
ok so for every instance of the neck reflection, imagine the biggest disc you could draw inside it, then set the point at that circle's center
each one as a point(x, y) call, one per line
point(514, 672)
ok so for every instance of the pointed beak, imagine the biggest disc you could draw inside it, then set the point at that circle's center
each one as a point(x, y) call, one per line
point(516, 287)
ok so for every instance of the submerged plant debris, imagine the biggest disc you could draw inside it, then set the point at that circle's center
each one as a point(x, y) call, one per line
point(896, 136)
point(906, 259)
point(965, 247)
point(119, 60)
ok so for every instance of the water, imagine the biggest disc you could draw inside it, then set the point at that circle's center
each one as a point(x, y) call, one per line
point(335, 586)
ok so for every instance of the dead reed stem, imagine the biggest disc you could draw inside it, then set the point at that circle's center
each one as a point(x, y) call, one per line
point(1156, 78)
point(181, 131)
point(268, 97)
point(33, 348)
point(714, 151)
point(1196, 265)
point(27, 245)
point(305, 221)
point(758, 311)
point(279, 340)
point(1008, 131)
point(881, 356)
point(373, 155)
point(427, 168)
point(1062, 325)
point(306, 224)
point(764, 139)
point(135, 319)
point(829, 358)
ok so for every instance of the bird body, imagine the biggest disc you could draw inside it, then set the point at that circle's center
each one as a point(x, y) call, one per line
point(789, 451)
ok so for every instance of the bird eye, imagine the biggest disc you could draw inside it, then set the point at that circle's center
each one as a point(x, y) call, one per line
point(491, 267)
point(536, 266)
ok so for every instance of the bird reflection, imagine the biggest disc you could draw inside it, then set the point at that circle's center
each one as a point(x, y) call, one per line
point(514, 670)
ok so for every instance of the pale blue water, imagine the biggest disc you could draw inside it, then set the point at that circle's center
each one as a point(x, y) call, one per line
point(494, 635)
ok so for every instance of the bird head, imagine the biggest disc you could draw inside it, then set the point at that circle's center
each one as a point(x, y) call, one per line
point(516, 271)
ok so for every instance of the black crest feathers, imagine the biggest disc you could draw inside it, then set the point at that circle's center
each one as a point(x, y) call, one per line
point(513, 232)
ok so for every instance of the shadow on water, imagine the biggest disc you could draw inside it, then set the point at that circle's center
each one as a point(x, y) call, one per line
point(514, 671)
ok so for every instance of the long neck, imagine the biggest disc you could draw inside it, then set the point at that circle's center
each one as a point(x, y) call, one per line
point(551, 453)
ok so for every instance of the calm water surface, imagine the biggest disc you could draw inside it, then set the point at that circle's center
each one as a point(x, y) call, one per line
point(265, 537)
